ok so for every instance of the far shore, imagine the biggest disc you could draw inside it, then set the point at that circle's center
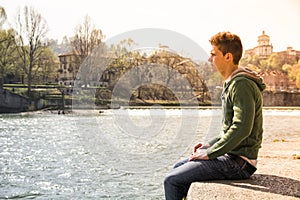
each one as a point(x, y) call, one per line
point(102, 109)
point(177, 107)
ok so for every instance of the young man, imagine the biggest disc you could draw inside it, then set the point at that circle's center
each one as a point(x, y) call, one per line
point(233, 153)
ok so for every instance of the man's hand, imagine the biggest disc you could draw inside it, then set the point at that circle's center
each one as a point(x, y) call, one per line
point(200, 154)
point(201, 146)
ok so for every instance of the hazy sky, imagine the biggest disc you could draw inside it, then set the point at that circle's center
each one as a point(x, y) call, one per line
point(196, 19)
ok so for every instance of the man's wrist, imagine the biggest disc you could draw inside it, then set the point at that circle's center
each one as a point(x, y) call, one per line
point(205, 146)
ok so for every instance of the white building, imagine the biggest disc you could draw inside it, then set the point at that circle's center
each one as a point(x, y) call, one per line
point(263, 49)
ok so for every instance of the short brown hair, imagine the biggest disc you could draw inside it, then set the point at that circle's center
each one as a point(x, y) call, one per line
point(228, 43)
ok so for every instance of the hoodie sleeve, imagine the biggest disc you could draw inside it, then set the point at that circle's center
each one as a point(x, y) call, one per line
point(239, 114)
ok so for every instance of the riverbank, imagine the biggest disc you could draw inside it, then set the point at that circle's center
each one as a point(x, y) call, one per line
point(278, 174)
point(61, 97)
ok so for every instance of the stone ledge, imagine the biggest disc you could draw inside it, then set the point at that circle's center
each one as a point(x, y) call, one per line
point(259, 186)
point(277, 177)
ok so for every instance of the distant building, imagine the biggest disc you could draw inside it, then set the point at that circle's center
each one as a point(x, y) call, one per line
point(290, 55)
point(263, 49)
point(68, 68)
point(277, 81)
point(274, 79)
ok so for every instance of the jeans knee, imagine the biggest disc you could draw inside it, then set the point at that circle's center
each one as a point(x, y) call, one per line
point(174, 188)
point(168, 180)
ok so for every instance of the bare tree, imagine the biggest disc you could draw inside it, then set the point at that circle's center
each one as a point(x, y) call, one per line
point(86, 39)
point(31, 29)
point(3, 16)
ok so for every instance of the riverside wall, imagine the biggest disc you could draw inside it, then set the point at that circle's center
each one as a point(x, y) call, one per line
point(281, 98)
point(10, 102)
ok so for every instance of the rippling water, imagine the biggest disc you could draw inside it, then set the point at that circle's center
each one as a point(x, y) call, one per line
point(118, 154)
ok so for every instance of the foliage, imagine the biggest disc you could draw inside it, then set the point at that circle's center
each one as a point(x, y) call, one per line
point(280, 70)
point(7, 53)
point(274, 62)
point(31, 29)
point(160, 75)
point(296, 71)
point(48, 64)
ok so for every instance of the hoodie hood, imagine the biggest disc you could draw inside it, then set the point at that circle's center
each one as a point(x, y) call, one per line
point(244, 71)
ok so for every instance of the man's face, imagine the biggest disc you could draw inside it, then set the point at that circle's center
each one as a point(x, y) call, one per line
point(217, 59)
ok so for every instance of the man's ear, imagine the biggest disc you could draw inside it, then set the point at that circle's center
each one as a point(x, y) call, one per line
point(228, 56)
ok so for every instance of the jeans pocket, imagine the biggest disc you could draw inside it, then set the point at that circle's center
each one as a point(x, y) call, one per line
point(236, 172)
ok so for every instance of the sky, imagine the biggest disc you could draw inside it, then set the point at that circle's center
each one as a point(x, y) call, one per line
point(196, 19)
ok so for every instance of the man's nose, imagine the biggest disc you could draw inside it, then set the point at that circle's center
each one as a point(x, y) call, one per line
point(209, 59)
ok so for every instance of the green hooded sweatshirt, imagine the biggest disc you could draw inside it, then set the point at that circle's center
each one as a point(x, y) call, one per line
point(242, 121)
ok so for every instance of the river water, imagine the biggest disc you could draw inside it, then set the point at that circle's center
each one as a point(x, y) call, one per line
point(117, 154)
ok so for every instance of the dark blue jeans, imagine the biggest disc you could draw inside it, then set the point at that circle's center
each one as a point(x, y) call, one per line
point(184, 173)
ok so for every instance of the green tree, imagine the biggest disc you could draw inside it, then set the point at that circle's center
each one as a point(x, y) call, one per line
point(252, 62)
point(275, 62)
point(293, 72)
point(298, 79)
point(7, 50)
point(31, 29)
point(290, 70)
point(263, 64)
point(48, 63)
